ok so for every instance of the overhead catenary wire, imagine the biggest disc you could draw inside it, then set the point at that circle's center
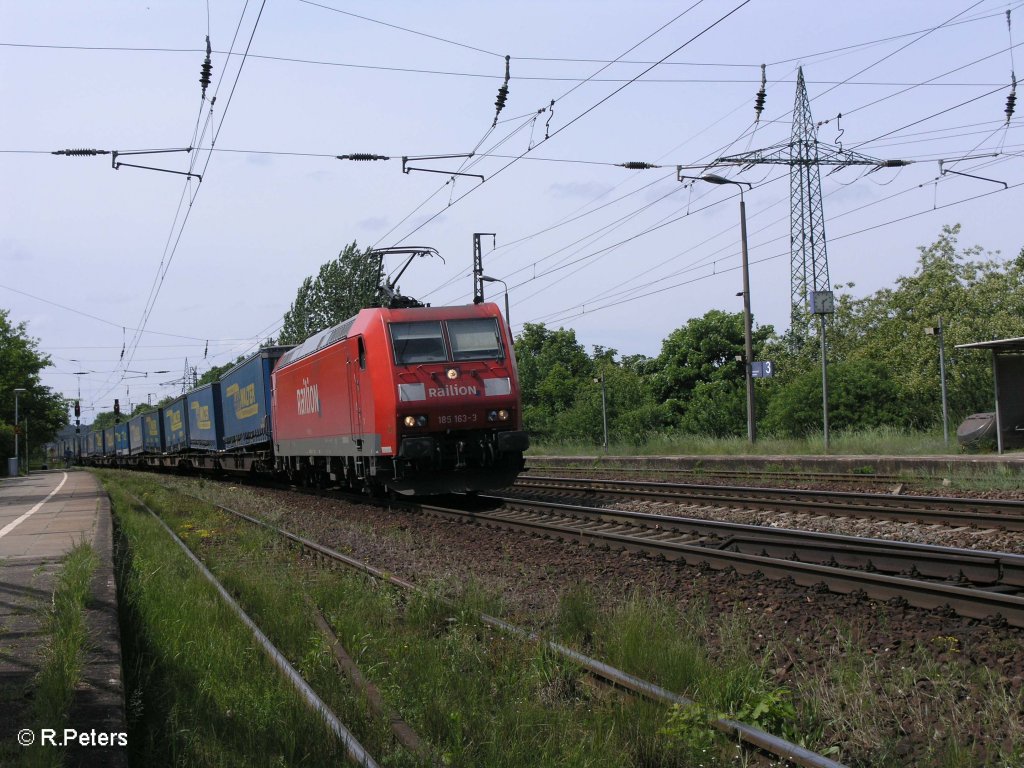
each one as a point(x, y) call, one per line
point(578, 310)
point(803, 57)
point(904, 47)
point(747, 106)
point(590, 109)
point(168, 257)
point(597, 305)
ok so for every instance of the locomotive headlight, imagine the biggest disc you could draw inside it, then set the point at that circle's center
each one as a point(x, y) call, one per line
point(415, 421)
point(452, 373)
point(500, 415)
point(503, 415)
point(410, 421)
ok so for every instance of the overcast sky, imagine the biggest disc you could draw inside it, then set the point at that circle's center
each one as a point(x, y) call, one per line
point(125, 273)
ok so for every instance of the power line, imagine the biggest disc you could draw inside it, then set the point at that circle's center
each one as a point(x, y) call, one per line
point(94, 317)
point(590, 109)
point(402, 29)
point(163, 268)
point(571, 311)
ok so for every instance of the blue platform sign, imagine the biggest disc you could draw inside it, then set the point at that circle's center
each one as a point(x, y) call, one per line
point(762, 370)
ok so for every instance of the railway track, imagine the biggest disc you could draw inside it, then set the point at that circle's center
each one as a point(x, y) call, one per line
point(972, 583)
point(761, 742)
point(539, 469)
point(933, 510)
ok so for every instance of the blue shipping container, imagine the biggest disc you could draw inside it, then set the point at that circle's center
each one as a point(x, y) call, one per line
point(152, 432)
point(108, 441)
point(175, 426)
point(135, 435)
point(94, 443)
point(205, 426)
point(121, 441)
point(245, 399)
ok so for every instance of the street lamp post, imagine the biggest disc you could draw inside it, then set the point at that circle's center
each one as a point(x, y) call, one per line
point(748, 338)
point(17, 468)
point(486, 279)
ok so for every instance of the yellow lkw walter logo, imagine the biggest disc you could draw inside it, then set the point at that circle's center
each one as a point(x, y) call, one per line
point(244, 399)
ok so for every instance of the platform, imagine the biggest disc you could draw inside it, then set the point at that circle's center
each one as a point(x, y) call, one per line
point(42, 516)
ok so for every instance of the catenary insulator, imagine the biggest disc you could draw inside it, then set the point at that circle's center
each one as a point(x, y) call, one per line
point(206, 69)
point(362, 156)
point(1011, 100)
point(499, 103)
point(761, 95)
point(81, 152)
point(636, 165)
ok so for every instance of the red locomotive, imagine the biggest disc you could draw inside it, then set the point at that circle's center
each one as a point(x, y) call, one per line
point(415, 400)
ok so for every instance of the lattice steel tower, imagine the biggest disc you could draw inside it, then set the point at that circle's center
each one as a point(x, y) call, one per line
point(804, 155)
point(808, 253)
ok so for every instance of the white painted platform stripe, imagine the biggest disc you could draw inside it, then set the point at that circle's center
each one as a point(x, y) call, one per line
point(14, 524)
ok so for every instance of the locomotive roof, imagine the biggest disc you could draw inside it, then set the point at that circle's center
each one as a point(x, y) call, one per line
point(318, 341)
point(340, 331)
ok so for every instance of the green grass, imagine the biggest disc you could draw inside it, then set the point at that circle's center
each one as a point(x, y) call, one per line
point(479, 697)
point(651, 639)
point(65, 645)
point(879, 709)
point(199, 690)
point(882, 441)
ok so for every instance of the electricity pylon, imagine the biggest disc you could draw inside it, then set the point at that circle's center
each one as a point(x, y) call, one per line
point(804, 155)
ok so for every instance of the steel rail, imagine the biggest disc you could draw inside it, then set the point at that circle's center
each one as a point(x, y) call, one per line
point(783, 474)
point(355, 751)
point(977, 566)
point(984, 513)
point(972, 603)
point(747, 734)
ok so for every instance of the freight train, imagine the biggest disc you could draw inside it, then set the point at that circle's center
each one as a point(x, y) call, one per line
point(414, 400)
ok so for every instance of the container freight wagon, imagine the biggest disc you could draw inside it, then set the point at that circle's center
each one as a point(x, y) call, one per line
point(152, 432)
point(108, 443)
point(245, 399)
point(94, 444)
point(135, 447)
point(122, 440)
point(175, 426)
point(205, 425)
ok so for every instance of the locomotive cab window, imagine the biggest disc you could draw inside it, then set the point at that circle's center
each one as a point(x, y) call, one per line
point(474, 339)
point(420, 342)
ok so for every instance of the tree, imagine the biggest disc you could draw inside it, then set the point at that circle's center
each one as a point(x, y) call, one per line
point(862, 395)
point(977, 296)
point(698, 367)
point(343, 286)
point(20, 364)
point(552, 367)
